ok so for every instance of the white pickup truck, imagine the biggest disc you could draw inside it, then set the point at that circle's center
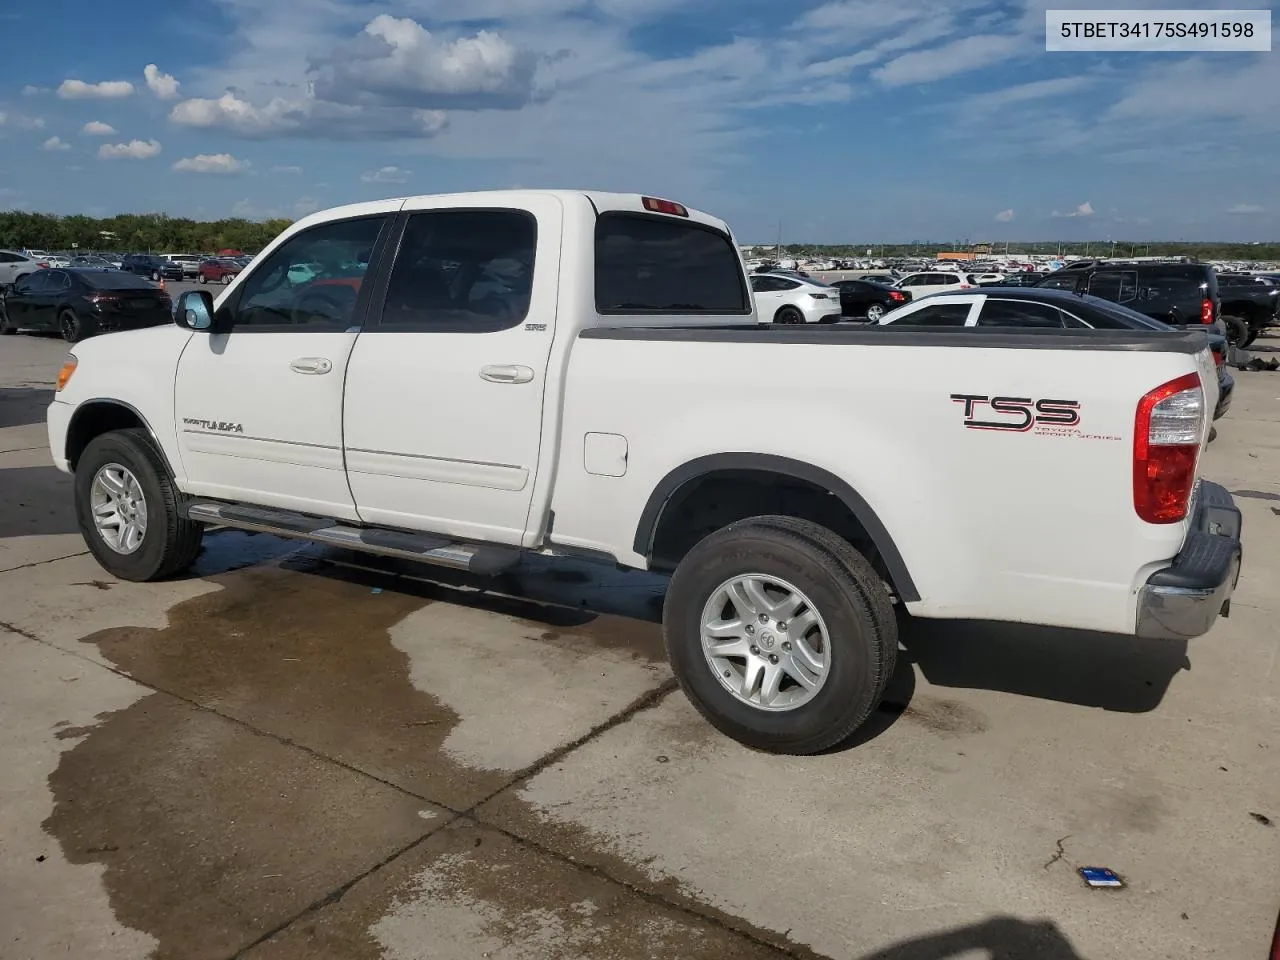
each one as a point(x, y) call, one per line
point(459, 379)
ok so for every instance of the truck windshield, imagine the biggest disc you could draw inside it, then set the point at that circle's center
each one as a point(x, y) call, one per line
point(661, 265)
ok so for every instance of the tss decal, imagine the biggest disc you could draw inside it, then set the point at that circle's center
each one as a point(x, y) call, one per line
point(1016, 414)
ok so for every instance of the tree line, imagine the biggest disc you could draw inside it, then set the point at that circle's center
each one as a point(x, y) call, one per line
point(1094, 248)
point(133, 233)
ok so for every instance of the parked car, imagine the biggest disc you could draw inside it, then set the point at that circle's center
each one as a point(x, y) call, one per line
point(1023, 278)
point(1179, 294)
point(648, 419)
point(933, 281)
point(1041, 307)
point(977, 279)
point(1250, 304)
point(152, 266)
point(92, 263)
point(57, 260)
point(219, 270)
point(190, 263)
point(785, 298)
point(81, 303)
point(863, 298)
point(14, 266)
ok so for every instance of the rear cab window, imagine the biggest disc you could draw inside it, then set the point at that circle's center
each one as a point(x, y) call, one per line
point(934, 315)
point(655, 264)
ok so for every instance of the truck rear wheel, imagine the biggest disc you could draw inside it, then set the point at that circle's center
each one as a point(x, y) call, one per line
point(780, 633)
point(127, 506)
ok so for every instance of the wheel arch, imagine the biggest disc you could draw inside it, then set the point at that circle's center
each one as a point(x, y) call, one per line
point(684, 481)
point(95, 417)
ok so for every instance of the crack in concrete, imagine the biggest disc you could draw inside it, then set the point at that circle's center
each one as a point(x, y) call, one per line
point(41, 563)
point(1060, 854)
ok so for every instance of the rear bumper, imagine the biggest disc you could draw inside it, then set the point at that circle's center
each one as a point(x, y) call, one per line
point(1183, 600)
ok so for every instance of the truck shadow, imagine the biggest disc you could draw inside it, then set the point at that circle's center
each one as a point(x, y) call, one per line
point(1116, 673)
point(23, 406)
point(1000, 938)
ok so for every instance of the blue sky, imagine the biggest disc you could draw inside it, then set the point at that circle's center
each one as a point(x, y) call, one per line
point(848, 120)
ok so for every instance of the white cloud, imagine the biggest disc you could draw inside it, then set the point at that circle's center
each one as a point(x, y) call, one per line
point(386, 175)
point(163, 85)
point(1084, 210)
point(1245, 209)
point(31, 91)
point(1004, 216)
point(217, 163)
point(133, 150)
point(305, 205)
point(96, 128)
point(287, 169)
point(306, 117)
point(55, 143)
point(21, 121)
point(397, 62)
point(959, 56)
point(106, 90)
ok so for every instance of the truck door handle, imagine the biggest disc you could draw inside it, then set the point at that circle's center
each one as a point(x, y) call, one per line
point(311, 365)
point(506, 373)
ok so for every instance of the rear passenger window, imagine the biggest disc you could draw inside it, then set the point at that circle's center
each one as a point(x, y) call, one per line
point(936, 315)
point(1116, 287)
point(1061, 281)
point(465, 271)
point(648, 265)
point(1018, 313)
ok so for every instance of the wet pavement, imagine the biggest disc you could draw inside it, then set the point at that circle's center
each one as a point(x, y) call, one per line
point(301, 753)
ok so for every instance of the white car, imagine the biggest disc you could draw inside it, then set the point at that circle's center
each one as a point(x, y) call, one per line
point(981, 278)
point(14, 265)
point(782, 298)
point(647, 420)
point(934, 281)
point(189, 262)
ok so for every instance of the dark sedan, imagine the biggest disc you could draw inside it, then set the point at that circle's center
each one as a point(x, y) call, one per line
point(82, 303)
point(1023, 278)
point(862, 298)
point(152, 267)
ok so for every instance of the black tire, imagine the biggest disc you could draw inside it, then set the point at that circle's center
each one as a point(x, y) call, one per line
point(788, 315)
point(203, 278)
point(1237, 330)
point(1248, 341)
point(171, 542)
point(227, 278)
point(155, 276)
point(71, 327)
point(841, 584)
point(875, 312)
point(6, 329)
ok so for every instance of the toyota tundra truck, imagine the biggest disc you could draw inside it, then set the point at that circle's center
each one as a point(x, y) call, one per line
point(462, 379)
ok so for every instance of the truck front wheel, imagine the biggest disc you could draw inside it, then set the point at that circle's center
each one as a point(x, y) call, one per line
point(127, 507)
point(780, 633)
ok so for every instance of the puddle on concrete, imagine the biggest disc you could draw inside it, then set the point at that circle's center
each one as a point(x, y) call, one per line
point(211, 831)
point(469, 892)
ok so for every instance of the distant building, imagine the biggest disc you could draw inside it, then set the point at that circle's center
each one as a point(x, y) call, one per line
point(965, 255)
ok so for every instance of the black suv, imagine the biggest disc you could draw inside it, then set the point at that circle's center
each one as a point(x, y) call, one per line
point(152, 267)
point(1180, 294)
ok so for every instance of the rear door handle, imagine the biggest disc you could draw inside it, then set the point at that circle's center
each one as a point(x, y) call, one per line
point(311, 365)
point(506, 373)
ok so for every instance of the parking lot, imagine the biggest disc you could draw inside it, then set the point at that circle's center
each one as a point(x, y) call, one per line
point(302, 753)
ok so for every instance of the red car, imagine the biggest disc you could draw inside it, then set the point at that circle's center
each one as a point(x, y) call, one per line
point(219, 270)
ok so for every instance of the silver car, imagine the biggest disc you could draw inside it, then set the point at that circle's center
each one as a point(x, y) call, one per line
point(14, 265)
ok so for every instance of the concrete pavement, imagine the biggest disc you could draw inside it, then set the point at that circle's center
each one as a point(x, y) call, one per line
point(295, 753)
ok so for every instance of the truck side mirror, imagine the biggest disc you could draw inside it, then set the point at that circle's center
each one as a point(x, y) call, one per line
point(194, 310)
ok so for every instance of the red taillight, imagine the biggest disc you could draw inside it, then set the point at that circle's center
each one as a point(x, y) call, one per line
point(1167, 433)
point(896, 295)
point(43, 266)
point(664, 206)
point(1206, 311)
point(1219, 357)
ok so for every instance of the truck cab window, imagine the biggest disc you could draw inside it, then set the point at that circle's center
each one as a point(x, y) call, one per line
point(312, 281)
point(662, 265)
point(467, 271)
